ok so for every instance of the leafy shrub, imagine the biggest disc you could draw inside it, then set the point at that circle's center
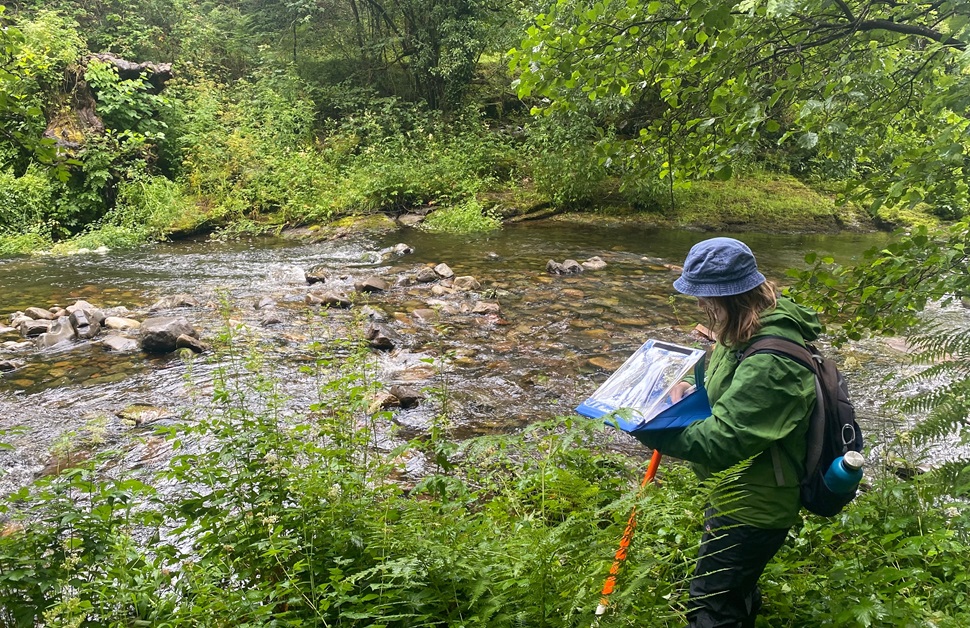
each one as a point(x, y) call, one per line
point(465, 217)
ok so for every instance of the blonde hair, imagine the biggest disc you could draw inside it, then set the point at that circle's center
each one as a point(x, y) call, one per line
point(736, 318)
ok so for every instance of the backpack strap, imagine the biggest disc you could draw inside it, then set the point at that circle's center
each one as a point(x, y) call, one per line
point(778, 345)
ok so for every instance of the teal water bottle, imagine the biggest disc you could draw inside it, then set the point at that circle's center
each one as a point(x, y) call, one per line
point(845, 473)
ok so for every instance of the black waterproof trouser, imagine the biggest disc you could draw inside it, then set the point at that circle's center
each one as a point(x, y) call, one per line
point(724, 592)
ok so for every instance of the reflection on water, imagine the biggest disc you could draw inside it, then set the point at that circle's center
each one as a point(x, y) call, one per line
point(554, 341)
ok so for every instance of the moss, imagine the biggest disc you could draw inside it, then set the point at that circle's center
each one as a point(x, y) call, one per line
point(902, 216)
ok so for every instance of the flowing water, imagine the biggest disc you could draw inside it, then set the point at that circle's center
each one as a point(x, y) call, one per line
point(553, 341)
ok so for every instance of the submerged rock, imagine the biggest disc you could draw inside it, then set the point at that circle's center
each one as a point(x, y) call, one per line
point(594, 263)
point(174, 302)
point(119, 344)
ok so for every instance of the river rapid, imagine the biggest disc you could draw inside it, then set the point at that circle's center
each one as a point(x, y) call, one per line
point(553, 340)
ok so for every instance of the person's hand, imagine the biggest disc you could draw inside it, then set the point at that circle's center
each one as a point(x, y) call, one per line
point(679, 390)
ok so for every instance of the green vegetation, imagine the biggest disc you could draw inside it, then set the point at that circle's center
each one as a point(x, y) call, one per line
point(297, 518)
point(302, 113)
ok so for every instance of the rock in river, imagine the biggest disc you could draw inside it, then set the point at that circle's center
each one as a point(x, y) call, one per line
point(160, 334)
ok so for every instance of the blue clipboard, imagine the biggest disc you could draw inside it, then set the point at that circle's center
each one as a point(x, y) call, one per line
point(691, 408)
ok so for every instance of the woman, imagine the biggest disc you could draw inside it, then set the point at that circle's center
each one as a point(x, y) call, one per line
point(760, 410)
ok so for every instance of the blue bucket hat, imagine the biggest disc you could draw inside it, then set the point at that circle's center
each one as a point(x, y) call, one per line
point(719, 267)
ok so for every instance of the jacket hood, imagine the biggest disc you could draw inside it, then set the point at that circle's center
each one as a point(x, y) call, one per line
point(793, 318)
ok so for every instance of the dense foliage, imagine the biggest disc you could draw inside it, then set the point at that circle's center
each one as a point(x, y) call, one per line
point(294, 516)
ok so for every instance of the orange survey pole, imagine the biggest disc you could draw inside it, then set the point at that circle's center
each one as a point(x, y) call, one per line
point(631, 525)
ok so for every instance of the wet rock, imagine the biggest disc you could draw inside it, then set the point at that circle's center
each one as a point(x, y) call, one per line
point(270, 317)
point(160, 334)
point(7, 366)
point(425, 314)
point(568, 267)
point(62, 462)
point(264, 303)
point(119, 344)
point(18, 346)
point(426, 275)
point(174, 302)
point(485, 307)
point(38, 313)
point(443, 270)
point(120, 324)
point(7, 330)
point(373, 314)
point(317, 274)
point(381, 337)
point(85, 327)
point(61, 331)
point(466, 282)
point(408, 396)
point(371, 284)
point(328, 299)
point(594, 263)
point(382, 401)
point(410, 220)
point(143, 414)
point(17, 319)
point(965, 301)
point(440, 291)
point(402, 249)
point(186, 341)
point(606, 363)
point(404, 281)
point(92, 313)
point(33, 328)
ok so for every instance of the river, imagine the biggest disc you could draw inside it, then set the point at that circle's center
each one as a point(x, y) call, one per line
point(555, 339)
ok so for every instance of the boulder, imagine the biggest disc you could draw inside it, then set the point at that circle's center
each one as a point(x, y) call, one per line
point(381, 337)
point(407, 396)
point(426, 275)
point(39, 313)
point(85, 327)
point(119, 344)
point(466, 282)
point(160, 334)
point(120, 324)
point(186, 341)
point(443, 270)
point(92, 313)
point(594, 263)
point(371, 284)
point(568, 267)
point(401, 249)
point(174, 302)
point(317, 274)
point(61, 331)
point(33, 328)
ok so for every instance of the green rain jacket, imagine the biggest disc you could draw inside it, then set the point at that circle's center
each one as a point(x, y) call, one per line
point(764, 401)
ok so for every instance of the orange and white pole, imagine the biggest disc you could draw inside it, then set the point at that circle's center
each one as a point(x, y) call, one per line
point(631, 525)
